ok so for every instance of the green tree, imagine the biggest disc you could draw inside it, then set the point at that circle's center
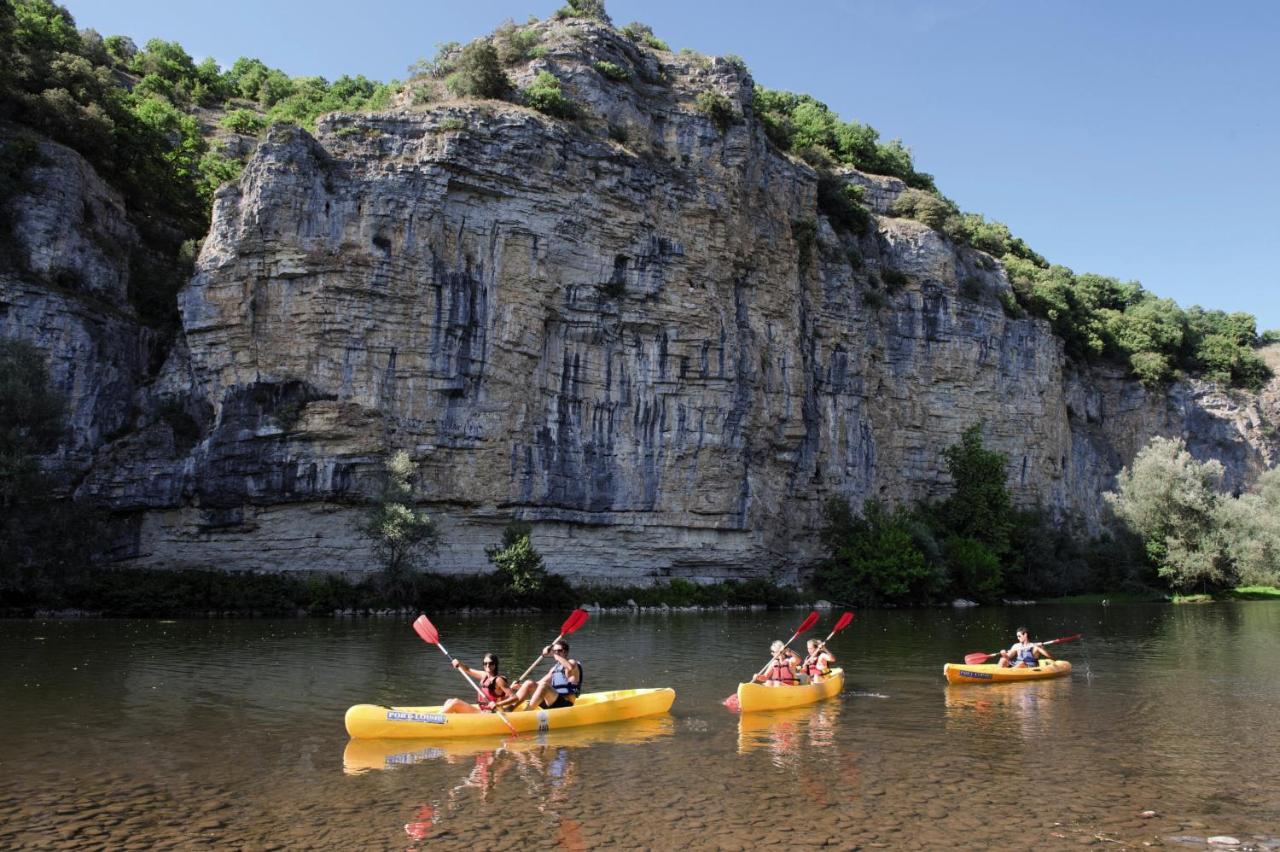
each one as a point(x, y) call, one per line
point(401, 534)
point(518, 563)
point(1171, 501)
point(975, 571)
point(1251, 529)
point(874, 558)
point(979, 507)
point(479, 73)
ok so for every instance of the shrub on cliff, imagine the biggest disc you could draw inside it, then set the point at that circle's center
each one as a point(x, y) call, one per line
point(515, 44)
point(642, 33)
point(584, 9)
point(544, 95)
point(794, 122)
point(478, 73)
point(401, 535)
point(716, 108)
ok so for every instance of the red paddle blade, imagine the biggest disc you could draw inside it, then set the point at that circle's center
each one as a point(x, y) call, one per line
point(975, 659)
point(424, 628)
point(844, 622)
point(732, 703)
point(576, 619)
point(808, 622)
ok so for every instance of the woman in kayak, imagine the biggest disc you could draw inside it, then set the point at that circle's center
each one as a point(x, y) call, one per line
point(559, 687)
point(494, 686)
point(1023, 654)
point(818, 664)
point(784, 669)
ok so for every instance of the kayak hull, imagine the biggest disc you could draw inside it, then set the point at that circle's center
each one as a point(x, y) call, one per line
point(374, 721)
point(366, 755)
point(754, 697)
point(959, 673)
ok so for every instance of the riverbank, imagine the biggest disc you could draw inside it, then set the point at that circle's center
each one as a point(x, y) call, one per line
point(138, 593)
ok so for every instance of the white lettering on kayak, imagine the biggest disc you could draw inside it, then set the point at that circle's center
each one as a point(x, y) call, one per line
point(978, 675)
point(404, 716)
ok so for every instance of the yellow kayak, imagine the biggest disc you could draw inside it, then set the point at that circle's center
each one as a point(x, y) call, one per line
point(753, 697)
point(373, 721)
point(365, 755)
point(989, 673)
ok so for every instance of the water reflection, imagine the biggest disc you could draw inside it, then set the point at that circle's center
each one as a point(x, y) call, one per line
point(788, 734)
point(1006, 710)
point(541, 769)
point(370, 755)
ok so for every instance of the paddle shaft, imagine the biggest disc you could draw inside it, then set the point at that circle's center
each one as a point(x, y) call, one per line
point(534, 664)
point(775, 657)
point(476, 687)
point(1042, 644)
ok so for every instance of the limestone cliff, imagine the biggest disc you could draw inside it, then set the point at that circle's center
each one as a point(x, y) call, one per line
point(633, 329)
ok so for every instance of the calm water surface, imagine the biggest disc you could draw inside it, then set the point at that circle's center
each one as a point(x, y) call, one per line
point(228, 734)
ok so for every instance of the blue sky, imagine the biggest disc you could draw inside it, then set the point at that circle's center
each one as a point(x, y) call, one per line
point(1137, 139)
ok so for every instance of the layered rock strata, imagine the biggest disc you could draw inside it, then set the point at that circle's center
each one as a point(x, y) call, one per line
point(635, 330)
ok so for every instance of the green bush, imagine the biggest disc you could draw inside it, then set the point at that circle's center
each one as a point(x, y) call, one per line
point(798, 121)
point(518, 563)
point(841, 203)
point(544, 95)
point(874, 558)
point(584, 9)
point(717, 108)
point(643, 34)
point(515, 44)
point(243, 121)
point(478, 73)
point(613, 71)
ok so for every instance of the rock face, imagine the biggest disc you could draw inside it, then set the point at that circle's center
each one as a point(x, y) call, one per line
point(63, 287)
point(635, 331)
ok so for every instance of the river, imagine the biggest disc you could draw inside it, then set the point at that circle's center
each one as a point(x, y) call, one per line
point(228, 734)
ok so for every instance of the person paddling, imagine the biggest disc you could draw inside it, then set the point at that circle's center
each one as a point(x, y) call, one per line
point(817, 665)
point(559, 687)
point(784, 669)
point(493, 686)
point(1023, 653)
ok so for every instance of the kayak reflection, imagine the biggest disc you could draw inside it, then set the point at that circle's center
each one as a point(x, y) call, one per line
point(787, 734)
point(1003, 710)
point(371, 755)
point(540, 768)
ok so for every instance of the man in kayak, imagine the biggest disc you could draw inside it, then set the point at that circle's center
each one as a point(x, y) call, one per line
point(785, 668)
point(559, 687)
point(818, 664)
point(1023, 654)
point(494, 687)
